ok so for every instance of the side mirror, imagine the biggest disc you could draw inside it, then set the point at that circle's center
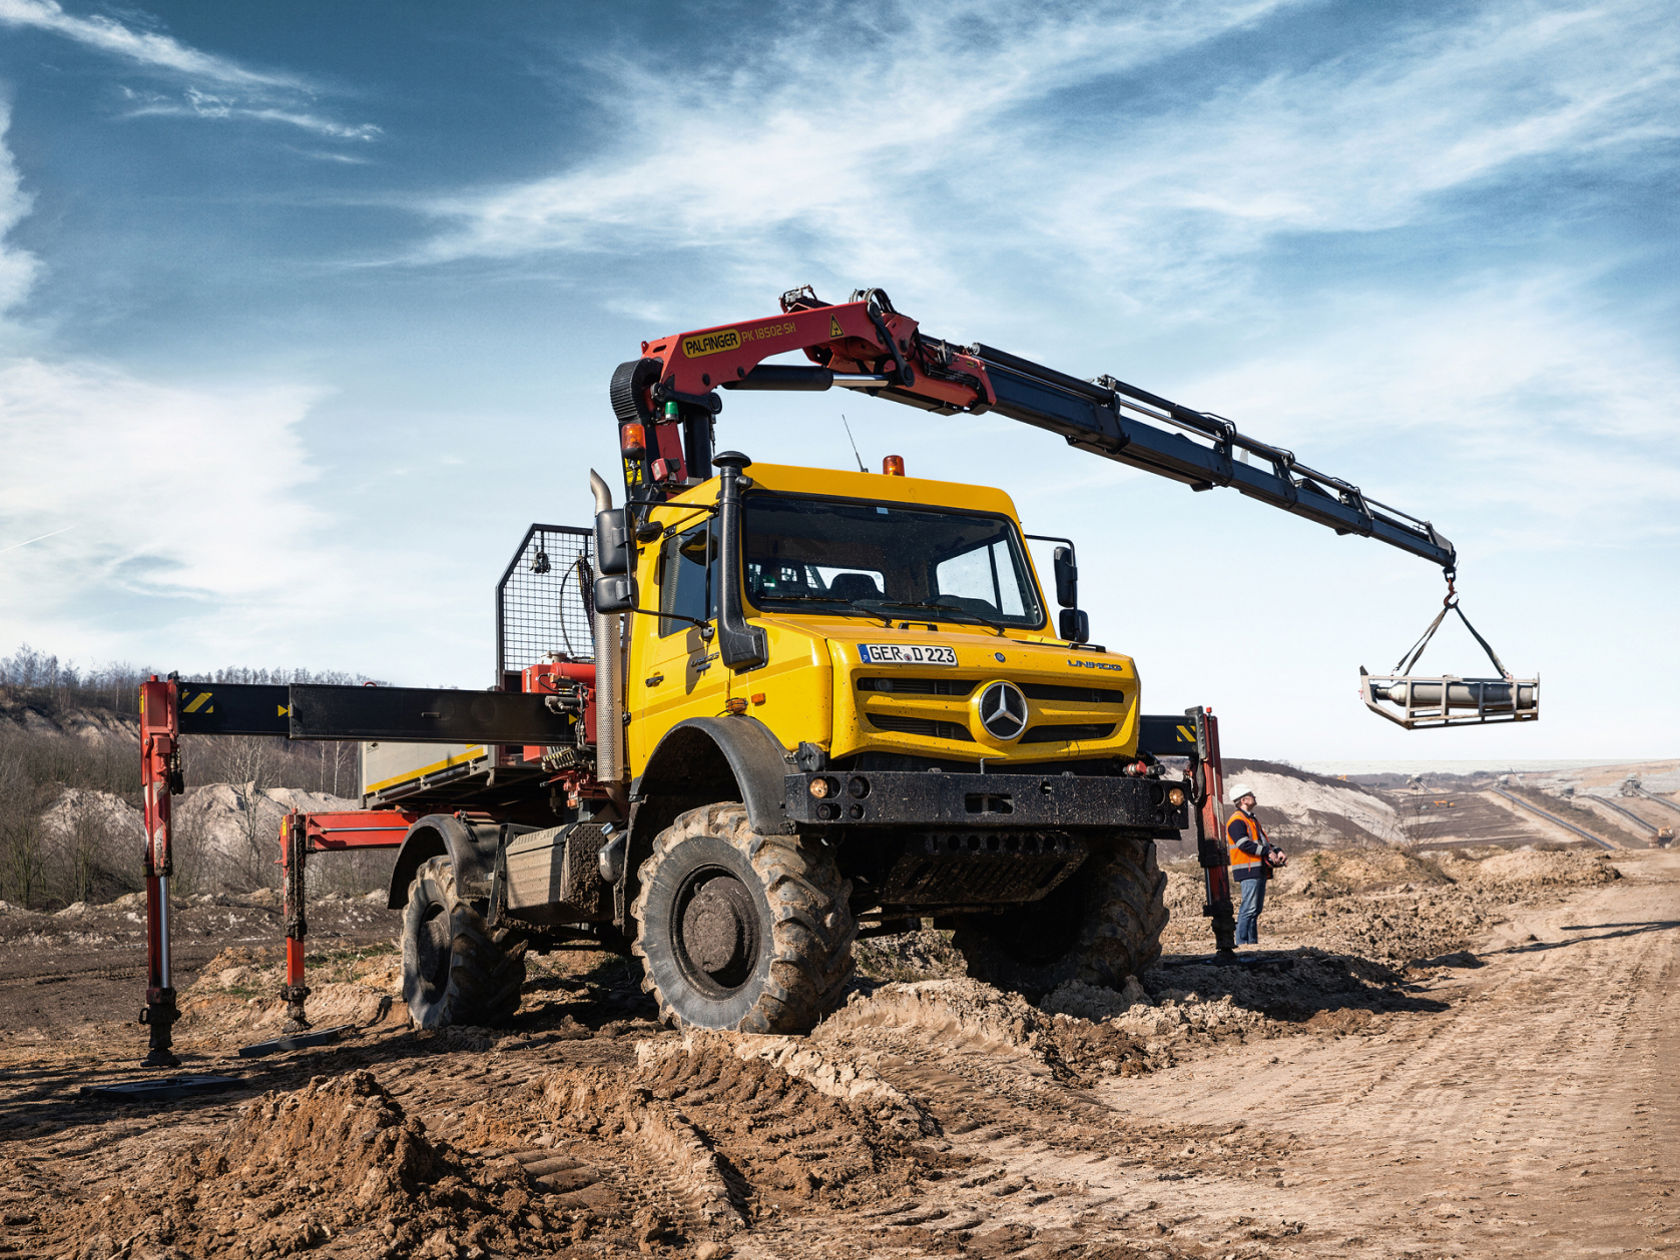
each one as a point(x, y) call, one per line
point(1073, 625)
point(616, 592)
point(1067, 580)
point(612, 542)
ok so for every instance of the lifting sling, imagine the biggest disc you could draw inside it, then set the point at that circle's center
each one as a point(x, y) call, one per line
point(1423, 700)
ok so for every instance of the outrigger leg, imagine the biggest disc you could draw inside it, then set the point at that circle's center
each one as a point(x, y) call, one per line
point(1207, 790)
point(293, 847)
point(160, 773)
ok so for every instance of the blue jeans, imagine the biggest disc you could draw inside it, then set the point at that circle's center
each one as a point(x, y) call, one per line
point(1248, 913)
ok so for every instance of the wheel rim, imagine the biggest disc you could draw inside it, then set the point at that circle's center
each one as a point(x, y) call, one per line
point(715, 928)
point(434, 948)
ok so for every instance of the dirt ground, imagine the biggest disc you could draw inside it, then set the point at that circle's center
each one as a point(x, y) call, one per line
point(1467, 1054)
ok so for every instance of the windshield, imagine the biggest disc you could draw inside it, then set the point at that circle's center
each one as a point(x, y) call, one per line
point(886, 560)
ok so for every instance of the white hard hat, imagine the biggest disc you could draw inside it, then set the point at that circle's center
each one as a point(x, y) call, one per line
point(1240, 790)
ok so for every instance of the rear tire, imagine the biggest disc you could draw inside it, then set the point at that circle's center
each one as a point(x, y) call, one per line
point(1100, 925)
point(739, 930)
point(456, 969)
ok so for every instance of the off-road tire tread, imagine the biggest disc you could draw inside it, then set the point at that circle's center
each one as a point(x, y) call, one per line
point(486, 965)
point(1123, 914)
point(811, 929)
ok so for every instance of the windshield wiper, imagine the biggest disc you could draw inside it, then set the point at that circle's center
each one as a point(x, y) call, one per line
point(764, 600)
point(945, 611)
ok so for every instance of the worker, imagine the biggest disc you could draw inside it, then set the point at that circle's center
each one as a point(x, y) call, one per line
point(1253, 858)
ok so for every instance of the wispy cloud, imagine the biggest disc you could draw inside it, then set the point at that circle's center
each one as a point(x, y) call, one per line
point(197, 104)
point(139, 47)
point(241, 93)
point(118, 489)
point(1518, 398)
point(17, 266)
point(848, 139)
point(929, 140)
point(194, 502)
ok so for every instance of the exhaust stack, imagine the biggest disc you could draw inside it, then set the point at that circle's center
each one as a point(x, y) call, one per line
point(609, 671)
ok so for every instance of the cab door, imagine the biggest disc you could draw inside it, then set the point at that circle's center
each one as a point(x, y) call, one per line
point(674, 668)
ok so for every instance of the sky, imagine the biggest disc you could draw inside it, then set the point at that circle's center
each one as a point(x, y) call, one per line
point(306, 311)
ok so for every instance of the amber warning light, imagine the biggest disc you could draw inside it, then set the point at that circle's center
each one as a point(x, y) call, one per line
point(893, 465)
point(632, 439)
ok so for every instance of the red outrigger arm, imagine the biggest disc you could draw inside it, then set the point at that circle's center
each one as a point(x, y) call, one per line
point(300, 835)
point(1208, 792)
point(160, 778)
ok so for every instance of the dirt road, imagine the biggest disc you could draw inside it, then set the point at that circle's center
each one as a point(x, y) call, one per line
point(1515, 1097)
point(1536, 1114)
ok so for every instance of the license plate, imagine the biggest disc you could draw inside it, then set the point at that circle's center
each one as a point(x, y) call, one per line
point(906, 654)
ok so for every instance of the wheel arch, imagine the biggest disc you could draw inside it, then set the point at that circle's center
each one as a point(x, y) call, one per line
point(470, 847)
point(702, 761)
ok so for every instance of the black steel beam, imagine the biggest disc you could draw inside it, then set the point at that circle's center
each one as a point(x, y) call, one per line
point(1167, 736)
point(425, 716)
point(233, 709)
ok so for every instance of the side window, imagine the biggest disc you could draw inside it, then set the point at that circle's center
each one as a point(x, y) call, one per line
point(687, 585)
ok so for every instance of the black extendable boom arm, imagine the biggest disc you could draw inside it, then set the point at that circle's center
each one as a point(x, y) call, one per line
point(669, 396)
point(1111, 418)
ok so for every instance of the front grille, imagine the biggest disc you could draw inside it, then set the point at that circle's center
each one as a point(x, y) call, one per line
point(925, 727)
point(917, 686)
point(1079, 695)
point(1058, 732)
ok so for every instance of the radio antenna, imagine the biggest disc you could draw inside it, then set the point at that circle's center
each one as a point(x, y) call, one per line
point(853, 441)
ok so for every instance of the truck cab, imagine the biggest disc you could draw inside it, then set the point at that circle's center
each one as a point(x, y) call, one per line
point(893, 608)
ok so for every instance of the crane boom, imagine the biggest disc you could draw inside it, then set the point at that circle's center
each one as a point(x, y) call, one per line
point(671, 396)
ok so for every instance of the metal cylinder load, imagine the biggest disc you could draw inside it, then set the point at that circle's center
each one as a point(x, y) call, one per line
point(1471, 693)
point(1446, 700)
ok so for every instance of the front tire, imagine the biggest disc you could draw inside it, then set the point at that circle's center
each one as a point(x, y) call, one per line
point(1100, 925)
point(739, 930)
point(456, 969)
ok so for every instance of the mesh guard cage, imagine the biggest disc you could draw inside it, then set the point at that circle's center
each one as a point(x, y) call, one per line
point(543, 600)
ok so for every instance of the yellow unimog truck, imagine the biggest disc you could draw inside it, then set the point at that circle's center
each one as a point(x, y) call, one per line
point(786, 706)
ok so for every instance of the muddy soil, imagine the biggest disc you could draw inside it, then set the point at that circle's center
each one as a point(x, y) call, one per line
point(1461, 1055)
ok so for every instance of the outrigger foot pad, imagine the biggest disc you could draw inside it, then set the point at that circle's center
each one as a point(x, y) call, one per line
point(162, 1087)
point(293, 1041)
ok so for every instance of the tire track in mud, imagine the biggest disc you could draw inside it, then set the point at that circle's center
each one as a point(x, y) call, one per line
point(1041, 1166)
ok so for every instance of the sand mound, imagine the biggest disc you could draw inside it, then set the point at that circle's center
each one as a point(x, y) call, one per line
point(926, 954)
point(1312, 809)
point(1331, 872)
point(854, 1085)
point(338, 1160)
point(1563, 868)
point(237, 993)
point(961, 1012)
point(101, 815)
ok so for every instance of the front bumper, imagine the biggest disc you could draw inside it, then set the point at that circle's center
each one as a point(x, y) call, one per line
point(899, 798)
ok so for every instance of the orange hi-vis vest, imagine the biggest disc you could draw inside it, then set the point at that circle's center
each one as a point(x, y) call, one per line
point(1255, 832)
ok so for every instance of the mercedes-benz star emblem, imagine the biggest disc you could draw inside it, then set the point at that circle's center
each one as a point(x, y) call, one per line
point(1003, 710)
